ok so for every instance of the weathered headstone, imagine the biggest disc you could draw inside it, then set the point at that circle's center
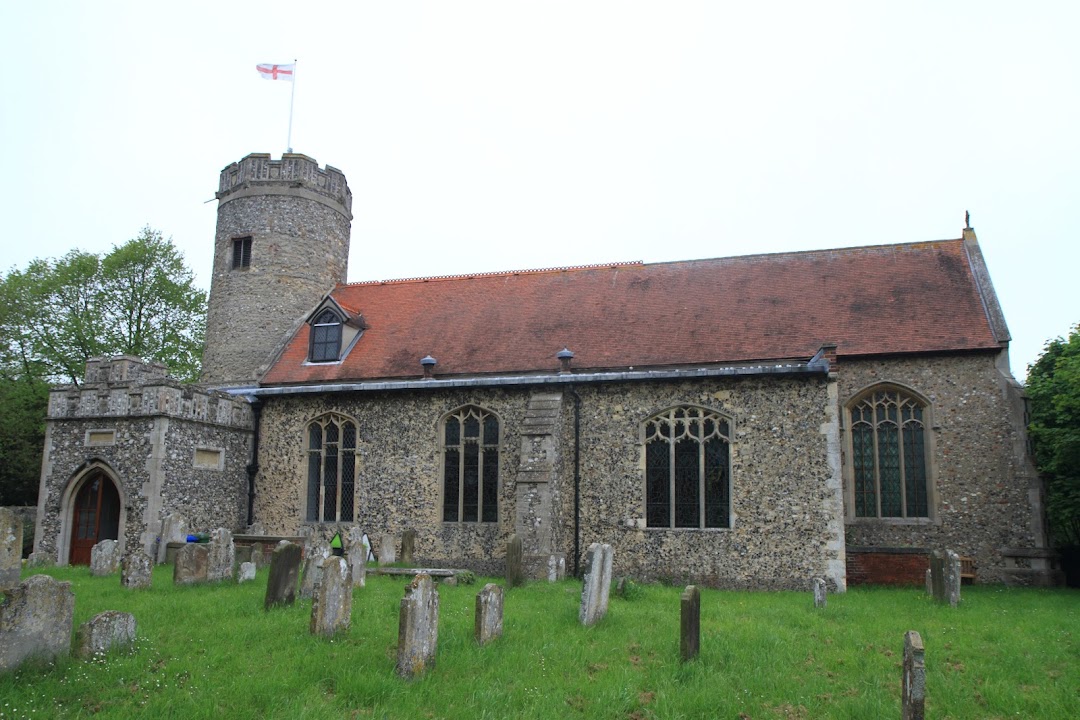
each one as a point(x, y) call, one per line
point(105, 631)
point(11, 542)
point(937, 575)
point(820, 593)
point(690, 623)
point(408, 546)
point(556, 568)
point(594, 595)
point(104, 558)
point(929, 582)
point(317, 552)
point(191, 564)
point(258, 555)
point(952, 578)
point(247, 572)
point(38, 559)
point(418, 627)
point(356, 553)
point(35, 621)
point(222, 561)
point(515, 559)
point(137, 571)
point(913, 690)
point(388, 550)
point(284, 574)
point(489, 614)
point(331, 609)
point(173, 529)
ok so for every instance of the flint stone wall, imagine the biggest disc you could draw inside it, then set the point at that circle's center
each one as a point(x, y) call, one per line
point(981, 477)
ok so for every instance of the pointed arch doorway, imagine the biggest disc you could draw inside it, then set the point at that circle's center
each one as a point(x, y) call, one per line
point(95, 516)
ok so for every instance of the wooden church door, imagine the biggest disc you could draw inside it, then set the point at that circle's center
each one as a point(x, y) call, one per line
point(96, 517)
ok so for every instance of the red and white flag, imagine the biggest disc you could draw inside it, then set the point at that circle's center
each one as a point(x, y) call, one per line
point(270, 71)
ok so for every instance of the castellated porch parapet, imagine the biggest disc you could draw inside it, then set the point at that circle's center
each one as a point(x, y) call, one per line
point(293, 170)
point(126, 386)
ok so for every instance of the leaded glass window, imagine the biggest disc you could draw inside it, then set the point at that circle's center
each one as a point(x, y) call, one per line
point(471, 466)
point(687, 469)
point(888, 456)
point(331, 442)
point(326, 337)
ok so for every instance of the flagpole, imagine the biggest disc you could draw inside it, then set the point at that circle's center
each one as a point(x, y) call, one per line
point(292, 97)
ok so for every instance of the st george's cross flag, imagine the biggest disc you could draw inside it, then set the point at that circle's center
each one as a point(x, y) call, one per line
point(269, 71)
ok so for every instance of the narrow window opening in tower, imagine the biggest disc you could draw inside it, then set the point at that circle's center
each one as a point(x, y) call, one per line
point(241, 253)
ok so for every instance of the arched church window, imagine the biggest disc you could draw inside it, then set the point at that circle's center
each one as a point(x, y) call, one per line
point(470, 446)
point(326, 337)
point(888, 455)
point(331, 449)
point(687, 469)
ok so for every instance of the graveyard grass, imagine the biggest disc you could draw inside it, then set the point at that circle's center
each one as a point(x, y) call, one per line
point(211, 651)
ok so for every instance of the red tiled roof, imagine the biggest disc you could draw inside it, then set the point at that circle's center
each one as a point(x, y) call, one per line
point(885, 299)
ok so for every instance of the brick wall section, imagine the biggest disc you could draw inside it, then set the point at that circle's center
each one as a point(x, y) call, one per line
point(887, 568)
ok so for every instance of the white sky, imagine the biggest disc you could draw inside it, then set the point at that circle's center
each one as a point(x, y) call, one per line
point(482, 136)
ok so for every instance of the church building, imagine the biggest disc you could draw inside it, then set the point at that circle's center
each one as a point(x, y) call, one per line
point(744, 422)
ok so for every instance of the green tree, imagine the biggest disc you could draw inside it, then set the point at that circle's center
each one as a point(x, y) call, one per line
point(1053, 384)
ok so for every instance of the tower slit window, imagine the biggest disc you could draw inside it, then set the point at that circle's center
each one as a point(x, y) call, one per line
point(241, 249)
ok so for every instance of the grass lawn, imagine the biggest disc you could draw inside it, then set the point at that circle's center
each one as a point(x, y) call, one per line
point(212, 652)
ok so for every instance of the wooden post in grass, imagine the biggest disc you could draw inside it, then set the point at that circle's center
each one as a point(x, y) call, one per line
point(690, 623)
point(913, 692)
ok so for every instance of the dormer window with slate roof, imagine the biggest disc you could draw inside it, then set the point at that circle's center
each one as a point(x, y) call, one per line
point(326, 337)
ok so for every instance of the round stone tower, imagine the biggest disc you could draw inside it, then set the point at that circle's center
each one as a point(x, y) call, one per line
point(282, 243)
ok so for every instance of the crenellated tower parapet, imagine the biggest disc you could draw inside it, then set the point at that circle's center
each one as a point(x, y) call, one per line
point(259, 173)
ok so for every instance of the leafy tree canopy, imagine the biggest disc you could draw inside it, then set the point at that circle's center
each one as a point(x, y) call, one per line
point(1053, 384)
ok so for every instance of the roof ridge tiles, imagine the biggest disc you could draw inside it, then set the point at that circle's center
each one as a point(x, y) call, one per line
point(498, 273)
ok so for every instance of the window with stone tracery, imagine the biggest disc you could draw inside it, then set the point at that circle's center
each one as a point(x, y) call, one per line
point(331, 450)
point(888, 455)
point(688, 469)
point(470, 446)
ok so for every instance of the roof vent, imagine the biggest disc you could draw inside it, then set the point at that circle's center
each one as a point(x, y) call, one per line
point(429, 365)
point(565, 356)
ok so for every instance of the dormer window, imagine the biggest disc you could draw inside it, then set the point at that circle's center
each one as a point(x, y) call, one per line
point(326, 337)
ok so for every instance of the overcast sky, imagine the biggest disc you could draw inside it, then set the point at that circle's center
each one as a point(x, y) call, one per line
point(485, 136)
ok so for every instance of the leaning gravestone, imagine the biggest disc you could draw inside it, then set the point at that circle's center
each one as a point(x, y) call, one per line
point(104, 558)
point(137, 571)
point(913, 689)
point(388, 550)
point(489, 614)
point(690, 623)
point(284, 573)
point(515, 561)
point(317, 553)
point(408, 546)
point(356, 553)
point(11, 542)
point(173, 530)
point(418, 627)
point(104, 632)
point(331, 609)
point(191, 561)
point(35, 621)
point(222, 560)
point(247, 572)
point(594, 595)
point(945, 576)
point(820, 593)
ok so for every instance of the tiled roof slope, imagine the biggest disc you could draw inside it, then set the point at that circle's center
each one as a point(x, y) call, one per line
point(886, 299)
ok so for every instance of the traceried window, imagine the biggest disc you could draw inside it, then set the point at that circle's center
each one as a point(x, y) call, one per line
point(326, 337)
point(241, 255)
point(687, 469)
point(471, 466)
point(331, 442)
point(888, 455)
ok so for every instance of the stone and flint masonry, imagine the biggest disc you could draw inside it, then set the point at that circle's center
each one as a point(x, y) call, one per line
point(742, 422)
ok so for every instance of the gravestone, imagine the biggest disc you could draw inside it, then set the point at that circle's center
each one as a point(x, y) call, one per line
point(284, 574)
point(173, 529)
point(104, 632)
point(11, 542)
point(913, 689)
point(594, 595)
point(388, 550)
point(556, 568)
point(222, 560)
point(489, 614)
point(820, 593)
point(515, 559)
point(35, 621)
point(137, 570)
point(191, 564)
point(247, 572)
point(418, 627)
point(258, 555)
point(331, 609)
point(952, 578)
point(408, 546)
point(929, 582)
point(356, 553)
point(104, 558)
point(690, 623)
point(317, 552)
